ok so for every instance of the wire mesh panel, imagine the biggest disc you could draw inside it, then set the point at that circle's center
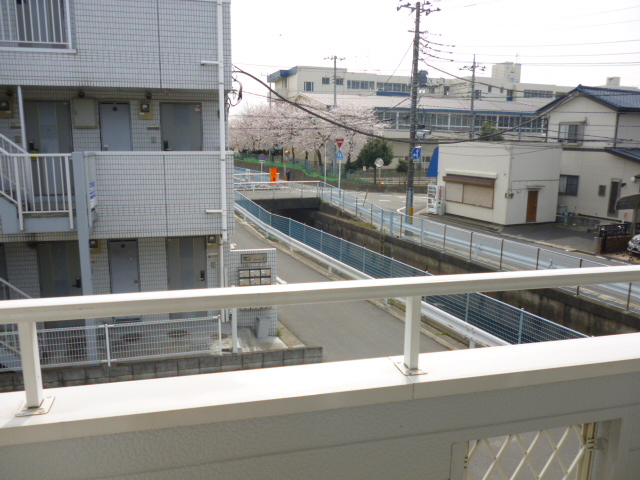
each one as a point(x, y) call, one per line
point(433, 234)
point(71, 346)
point(163, 338)
point(618, 294)
point(486, 249)
point(553, 454)
point(549, 260)
point(518, 256)
point(538, 329)
point(458, 241)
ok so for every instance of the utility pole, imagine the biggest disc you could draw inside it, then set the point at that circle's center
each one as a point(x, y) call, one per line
point(335, 79)
point(419, 10)
point(473, 94)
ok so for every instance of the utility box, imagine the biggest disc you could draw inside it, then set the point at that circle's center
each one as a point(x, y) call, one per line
point(262, 327)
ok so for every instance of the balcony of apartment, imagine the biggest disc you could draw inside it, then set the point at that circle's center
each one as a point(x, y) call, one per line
point(43, 25)
point(550, 410)
point(133, 193)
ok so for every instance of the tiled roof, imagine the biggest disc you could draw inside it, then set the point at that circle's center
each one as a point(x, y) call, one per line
point(632, 154)
point(382, 102)
point(628, 100)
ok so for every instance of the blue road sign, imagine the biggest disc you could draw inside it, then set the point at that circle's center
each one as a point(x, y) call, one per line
point(416, 153)
point(339, 155)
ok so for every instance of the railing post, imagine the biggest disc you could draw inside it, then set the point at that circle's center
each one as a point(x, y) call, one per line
point(67, 171)
point(31, 365)
point(629, 297)
point(471, 247)
point(107, 343)
point(18, 192)
point(412, 334)
point(391, 223)
point(421, 232)
point(356, 207)
point(372, 214)
point(501, 252)
point(538, 258)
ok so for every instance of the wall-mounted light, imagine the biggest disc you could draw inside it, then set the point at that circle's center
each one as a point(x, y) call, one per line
point(81, 94)
point(147, 95)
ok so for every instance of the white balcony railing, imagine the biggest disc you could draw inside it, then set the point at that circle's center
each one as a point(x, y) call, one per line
point(37, 183)
point(35, 24)
point(560, 409)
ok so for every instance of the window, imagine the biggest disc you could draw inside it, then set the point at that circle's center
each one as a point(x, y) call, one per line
point(308, 86)
point(501, 89)
point(446, 90)
point(393, 87)
point(360, 85)
point(489, 89)
point(477, 191)
point(326, 81)
point(339, 81)
point(538, 94)
point(478, 94)
point(568, 185)
point(570, 132)
point(602, 190)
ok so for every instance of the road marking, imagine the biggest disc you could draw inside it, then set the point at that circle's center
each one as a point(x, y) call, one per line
point(381, 200)
point(280, 281)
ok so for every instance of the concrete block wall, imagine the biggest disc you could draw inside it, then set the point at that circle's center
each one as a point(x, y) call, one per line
point(173, 367)
point(147, 43)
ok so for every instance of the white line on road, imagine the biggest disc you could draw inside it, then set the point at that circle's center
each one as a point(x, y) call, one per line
point(280, 281)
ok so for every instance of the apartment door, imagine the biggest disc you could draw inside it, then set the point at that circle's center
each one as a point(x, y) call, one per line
point(532, 205)
point(59, 269)
point(186, 267)
point(48, 126)
point(48, 130)
point(181, 125)
point(124, 268)
point(115, 127)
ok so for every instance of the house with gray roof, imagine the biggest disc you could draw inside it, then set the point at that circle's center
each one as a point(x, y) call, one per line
point(599, 132)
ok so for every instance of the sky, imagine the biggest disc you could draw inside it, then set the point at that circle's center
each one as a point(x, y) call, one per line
point(560, 42)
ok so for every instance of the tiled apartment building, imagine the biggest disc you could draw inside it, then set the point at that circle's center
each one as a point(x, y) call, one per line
point(118, 105)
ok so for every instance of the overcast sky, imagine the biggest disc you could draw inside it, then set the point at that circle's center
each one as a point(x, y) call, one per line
point(562, 42)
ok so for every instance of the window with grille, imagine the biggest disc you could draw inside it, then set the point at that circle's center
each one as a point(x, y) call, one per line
point(569, 185)
point(570, 132)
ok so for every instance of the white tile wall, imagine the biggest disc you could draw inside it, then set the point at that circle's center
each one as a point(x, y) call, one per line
point(120, 43)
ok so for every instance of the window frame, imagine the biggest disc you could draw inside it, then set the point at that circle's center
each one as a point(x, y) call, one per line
point(306, 85)
point(569, 185)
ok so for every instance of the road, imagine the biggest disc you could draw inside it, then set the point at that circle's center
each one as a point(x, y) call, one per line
point(345, 330)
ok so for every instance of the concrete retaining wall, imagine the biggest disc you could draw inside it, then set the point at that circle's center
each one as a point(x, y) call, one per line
point(576, 312)
point(122, 372)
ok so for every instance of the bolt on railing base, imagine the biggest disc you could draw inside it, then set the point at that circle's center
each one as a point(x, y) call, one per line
point(44, 407)
point(400, 365)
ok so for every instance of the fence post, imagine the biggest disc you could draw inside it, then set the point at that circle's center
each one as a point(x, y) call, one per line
point(421, 231)
point(501, 252)
point(520, 326)
point(356, 207)
point(107, 343)
point(372, 214)
point(391, 222)
point(578, 287)
point(412, 334)
point(538, 258)
point(401, 222)
point(466, 309)
point(471, 247)
point(629, 297)
point(444, 239)
point(381, 221)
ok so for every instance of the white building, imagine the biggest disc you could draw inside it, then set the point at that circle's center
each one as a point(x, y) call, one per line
point(500, 183)
point(127, 184)
point(598, 131)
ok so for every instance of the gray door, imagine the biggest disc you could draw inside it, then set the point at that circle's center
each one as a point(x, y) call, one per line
point(181, 125)
point(115, 127)
point(48, 126)
point(123, 266)
point(59, 269)
point(186, 267)
point(48, 130)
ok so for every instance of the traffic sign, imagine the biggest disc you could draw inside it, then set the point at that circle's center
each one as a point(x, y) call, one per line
point(262, 158)
point(416, 153)
point(339, 155)
point(339, 141)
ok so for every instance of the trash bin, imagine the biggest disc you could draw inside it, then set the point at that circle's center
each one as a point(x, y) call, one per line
point(262, 327)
